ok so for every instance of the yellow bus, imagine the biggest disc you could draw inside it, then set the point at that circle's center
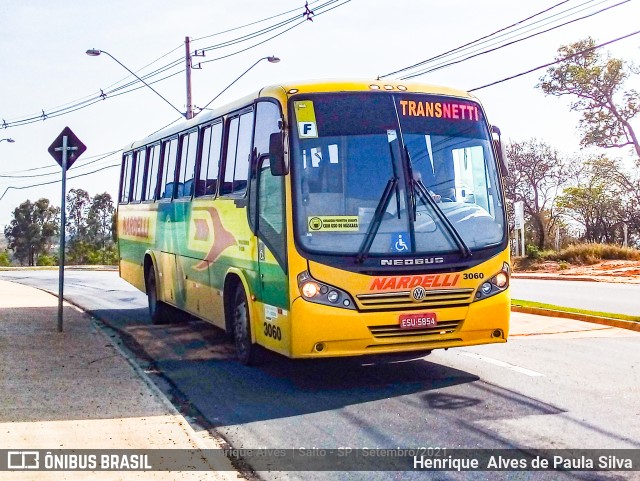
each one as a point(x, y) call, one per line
point(324, 219)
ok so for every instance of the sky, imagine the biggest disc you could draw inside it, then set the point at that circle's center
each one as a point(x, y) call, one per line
point(43, 66)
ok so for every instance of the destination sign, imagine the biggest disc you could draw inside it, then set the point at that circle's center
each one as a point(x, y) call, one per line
point(440, 110)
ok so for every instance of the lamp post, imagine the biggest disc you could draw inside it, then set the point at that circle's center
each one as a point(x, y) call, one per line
point(271, 59)
point(11, 141)
point(94, 52)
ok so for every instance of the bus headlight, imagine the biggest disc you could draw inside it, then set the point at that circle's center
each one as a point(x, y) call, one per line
point(310, 289)
point(495, 285)
point(321, 293)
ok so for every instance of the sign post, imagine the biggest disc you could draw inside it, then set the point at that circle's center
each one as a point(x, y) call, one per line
point(518, 208)
point(65, 149)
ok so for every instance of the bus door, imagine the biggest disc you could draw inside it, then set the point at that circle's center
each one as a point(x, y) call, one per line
point(272, 258)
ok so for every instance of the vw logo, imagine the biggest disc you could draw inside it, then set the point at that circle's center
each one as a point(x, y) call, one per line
point(418, 293)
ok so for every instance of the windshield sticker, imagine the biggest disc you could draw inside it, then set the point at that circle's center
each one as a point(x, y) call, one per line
point(306, 118)
point(444, 110)
point(400, 242)
point(334, 223)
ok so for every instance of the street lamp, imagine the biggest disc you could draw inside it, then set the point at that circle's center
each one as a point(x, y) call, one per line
point(271, 59)
point(94, 52)
point(11, 141)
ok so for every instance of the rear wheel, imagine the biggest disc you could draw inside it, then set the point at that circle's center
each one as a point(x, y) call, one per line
point(246, 351)
point(158, 310)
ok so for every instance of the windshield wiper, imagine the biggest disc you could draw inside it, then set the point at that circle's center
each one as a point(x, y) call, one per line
point(423, 193)
point(383, 203)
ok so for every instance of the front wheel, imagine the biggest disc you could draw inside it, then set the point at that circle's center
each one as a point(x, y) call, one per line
point(246, 351)
point(158, 310)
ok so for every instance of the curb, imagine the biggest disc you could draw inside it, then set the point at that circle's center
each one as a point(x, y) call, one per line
point(607, 321)
point(551, 277)
point(622, 279)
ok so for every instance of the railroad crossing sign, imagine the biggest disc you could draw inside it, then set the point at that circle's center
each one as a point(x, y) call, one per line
point(69, 143)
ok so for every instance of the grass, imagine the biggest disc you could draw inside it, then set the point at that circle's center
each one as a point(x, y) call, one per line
point(540, 305)
point(583, 254)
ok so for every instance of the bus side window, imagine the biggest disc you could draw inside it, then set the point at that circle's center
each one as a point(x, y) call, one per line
point(140, 169)
point(167, 182)
point(211, 147)
point(153, 160)
point(236, 172)
point(188, 150)
point(268, 118)
point(125, 178)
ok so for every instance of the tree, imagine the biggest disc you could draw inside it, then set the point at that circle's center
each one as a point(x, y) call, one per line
point(597, 83)
point(32, 229)
point(536, 175)
point(100, 225)
point(78, 202)
point(624, 189)
point(78, 205)
point(595, 208)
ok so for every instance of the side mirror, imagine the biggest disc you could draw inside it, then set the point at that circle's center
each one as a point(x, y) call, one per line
point(500, 150)
point(276, 154)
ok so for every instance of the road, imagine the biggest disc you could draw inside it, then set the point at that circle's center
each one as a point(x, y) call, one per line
point(556, 384)
point(616, 298)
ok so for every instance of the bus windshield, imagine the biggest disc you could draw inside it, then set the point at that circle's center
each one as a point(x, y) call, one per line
point(393, 173)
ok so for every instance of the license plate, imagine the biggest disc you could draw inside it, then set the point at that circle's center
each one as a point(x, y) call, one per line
point(422, 320)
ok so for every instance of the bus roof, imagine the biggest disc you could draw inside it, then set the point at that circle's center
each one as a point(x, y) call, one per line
point(292, 88)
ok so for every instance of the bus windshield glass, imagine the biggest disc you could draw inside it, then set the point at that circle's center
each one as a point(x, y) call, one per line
point(364, 163)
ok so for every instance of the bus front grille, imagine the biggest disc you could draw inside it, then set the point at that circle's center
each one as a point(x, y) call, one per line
point(433, 298)
point(394, 331)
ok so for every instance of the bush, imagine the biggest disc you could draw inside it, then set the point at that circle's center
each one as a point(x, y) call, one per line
point(46, 260)
point(107, 256)
point(594, 253)
point(5, 261)
point(533, 252)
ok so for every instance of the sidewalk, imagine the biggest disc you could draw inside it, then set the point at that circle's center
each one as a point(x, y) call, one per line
point(76, 390)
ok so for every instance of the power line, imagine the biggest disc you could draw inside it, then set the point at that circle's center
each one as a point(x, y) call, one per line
point(250, 24)
point(85, 102)
point(56, 181)
point(75, 166)
point(514, 33)
point(556, 61)
point(509, 32)
point(102, 156)
point(474, 41)
point(484, 52)
point(278, 34)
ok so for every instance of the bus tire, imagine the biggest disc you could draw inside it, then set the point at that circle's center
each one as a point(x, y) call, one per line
point(158, 310)
point(246, 351)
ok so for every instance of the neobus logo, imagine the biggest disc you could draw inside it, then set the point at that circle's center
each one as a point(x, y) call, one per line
point(412, 262)
point(136, 226)
point(409, 282)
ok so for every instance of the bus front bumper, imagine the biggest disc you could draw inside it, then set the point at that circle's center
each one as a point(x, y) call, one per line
point(325, 331)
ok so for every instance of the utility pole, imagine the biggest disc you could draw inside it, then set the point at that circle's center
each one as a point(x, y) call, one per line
point(187, 45)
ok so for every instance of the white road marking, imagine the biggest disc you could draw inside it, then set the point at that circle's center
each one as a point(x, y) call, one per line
point(496, 362)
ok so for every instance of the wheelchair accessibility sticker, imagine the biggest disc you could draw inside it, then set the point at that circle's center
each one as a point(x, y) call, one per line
point(400, 242)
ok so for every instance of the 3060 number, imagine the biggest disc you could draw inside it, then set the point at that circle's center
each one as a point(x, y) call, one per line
point(272, 331)
point(473, 275)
